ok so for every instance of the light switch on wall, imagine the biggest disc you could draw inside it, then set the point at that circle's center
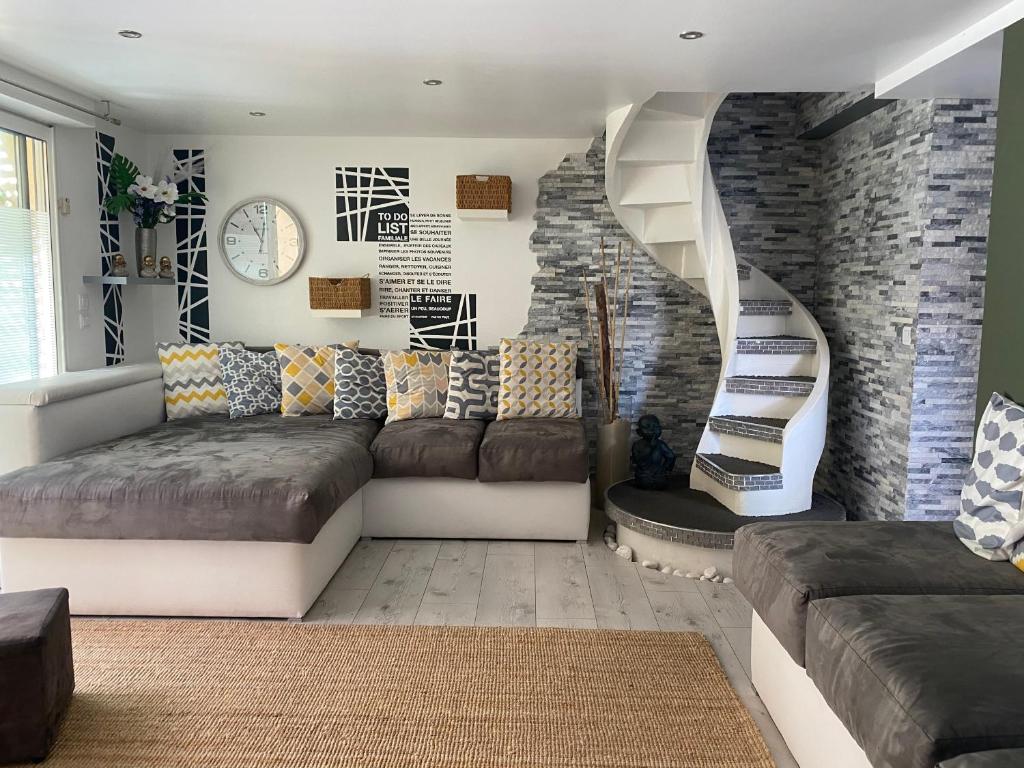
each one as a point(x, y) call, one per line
point(83, 311)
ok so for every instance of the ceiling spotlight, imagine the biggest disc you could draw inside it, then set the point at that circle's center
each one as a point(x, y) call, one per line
point(257, 114)
point(431, 81)
point(131, 34)
point(691, 35)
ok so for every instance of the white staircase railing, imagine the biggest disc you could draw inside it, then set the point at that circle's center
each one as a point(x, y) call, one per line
point(766, 430)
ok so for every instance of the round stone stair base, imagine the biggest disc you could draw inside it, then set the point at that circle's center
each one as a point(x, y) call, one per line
point(684, 557)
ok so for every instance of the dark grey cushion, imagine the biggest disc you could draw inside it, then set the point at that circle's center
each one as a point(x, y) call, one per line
point(534, 449)
point(780, 567)
point(262, 478)
point(920, 679)
point(996, 758)
point(432, 447)
point(37, 677)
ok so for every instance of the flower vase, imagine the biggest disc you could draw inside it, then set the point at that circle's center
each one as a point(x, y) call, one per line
point(145, 251)
point(612, 456)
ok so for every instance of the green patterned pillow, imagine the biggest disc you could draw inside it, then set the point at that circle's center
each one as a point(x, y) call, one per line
point(536, 379)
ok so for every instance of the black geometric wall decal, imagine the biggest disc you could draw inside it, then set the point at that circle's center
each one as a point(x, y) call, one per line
point(372, 204)
point(110, 243)
point(442, 321)
point(189, 172)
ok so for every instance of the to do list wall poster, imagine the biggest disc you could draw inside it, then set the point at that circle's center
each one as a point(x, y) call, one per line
point(372, 204)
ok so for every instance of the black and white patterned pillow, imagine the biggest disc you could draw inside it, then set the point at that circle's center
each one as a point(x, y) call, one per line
point(360, 391)
point(252, 381)
point(473, 385)
point(991, 520)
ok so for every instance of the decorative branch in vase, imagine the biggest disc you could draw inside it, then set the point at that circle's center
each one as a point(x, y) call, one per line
point(150, 203)
point(607, 318)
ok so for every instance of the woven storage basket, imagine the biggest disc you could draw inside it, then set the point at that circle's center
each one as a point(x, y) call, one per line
point(339, 293)
point(483, 193)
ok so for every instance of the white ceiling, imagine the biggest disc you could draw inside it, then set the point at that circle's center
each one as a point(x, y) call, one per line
point(550, 68)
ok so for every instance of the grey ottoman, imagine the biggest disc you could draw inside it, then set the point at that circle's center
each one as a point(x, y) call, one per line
point(36, 673)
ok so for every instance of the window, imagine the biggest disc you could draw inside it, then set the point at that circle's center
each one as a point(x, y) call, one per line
point(28, 329)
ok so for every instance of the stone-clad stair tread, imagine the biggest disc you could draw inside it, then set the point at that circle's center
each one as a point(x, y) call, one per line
point(737, 466)
point(779, 336)
point(765, 307)
point(796, 379)
point(761, 421)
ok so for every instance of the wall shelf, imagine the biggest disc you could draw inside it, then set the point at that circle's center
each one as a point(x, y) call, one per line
point(128, 280)
point(341, 313)
point(482, 214)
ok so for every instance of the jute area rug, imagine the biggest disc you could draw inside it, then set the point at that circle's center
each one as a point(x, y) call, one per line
point(227, 694)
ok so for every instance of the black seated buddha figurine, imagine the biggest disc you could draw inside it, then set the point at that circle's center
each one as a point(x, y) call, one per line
point(651, 458)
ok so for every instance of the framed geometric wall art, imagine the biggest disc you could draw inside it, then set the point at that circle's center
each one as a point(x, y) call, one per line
point(372, 204)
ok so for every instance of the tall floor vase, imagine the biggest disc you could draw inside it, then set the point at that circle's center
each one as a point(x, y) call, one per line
point(612, 456)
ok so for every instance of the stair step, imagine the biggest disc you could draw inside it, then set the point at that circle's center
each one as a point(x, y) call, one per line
point(783, 386)
point(739, 474)
point(775, 345)
point(765, 307)
point(743, 271)
point(761, 428)
point(666, 184)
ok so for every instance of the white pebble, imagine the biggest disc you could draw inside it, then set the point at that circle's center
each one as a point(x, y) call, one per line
point(710, 571)
point(677, 572)
point(612, 544)
point(727, 580)
point(717, 579)
point(624, 552)
point(703, 578)
point(652, 564)
point(692, 575)
point(667, 569)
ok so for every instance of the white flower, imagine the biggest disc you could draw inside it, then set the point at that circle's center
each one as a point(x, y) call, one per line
point(133, 189)
point(169, 210)
point(144, 187)
point(166, 193)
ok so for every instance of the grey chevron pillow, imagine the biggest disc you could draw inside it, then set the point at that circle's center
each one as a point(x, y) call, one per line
point(360, 391)
point(472, 385)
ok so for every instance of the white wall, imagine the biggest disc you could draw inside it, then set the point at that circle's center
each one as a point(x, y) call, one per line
point(78, 247)
point(492, 259)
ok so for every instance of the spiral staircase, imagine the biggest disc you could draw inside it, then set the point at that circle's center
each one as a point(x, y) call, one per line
point(766, 431)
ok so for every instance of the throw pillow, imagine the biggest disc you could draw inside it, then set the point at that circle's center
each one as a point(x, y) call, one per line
point(252, 381)
point(537, 379)
point(360, 390)
point(417, 384)
point(473, 386)
point(991, 523)
point(307, 378)
point(192, 379)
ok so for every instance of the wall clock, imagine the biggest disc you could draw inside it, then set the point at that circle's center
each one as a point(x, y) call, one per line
point(262, 241)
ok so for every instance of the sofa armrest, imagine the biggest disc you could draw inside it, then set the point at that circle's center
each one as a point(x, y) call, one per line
point(44, 418)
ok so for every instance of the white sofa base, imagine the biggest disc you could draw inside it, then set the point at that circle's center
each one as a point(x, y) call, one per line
point(452, 508)
point(136, 577)
point(813, 733)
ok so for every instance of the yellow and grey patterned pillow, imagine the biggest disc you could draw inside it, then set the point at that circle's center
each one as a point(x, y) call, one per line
point(307, 378)
point(192, 379)
point(536, 379)
point(417, 384)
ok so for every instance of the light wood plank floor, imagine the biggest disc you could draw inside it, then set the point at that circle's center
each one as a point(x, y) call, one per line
point(544, 584)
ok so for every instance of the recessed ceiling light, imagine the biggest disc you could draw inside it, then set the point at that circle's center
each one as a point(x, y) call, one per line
point(691, 35)
point(257, 114)
point(131, 34)
point(432, 81)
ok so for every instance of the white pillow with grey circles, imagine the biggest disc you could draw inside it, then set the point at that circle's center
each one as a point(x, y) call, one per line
point(991, 521)
point(360, 390)
point(473, 385)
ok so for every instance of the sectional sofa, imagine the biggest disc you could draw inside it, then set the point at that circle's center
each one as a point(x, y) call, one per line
point(885, 644)
point(212, 516)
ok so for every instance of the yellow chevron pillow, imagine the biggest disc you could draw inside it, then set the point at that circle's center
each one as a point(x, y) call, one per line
point(307, 378)
point(192, 379)
point(417, 383)
point(536, 379)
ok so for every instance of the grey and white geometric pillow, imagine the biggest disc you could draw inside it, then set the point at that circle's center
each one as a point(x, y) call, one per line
point(473, 385)
point(991, 522)
point(252, 381)
point(360, 391)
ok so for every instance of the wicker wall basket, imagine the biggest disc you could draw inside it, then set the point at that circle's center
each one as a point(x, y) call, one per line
point(483, 193)
point(339, 293)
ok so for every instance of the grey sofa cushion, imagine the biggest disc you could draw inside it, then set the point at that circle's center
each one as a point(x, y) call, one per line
point(428, 447)
point(263, 478)
point(919, 679)
point(535, 449)
point(781, 567)
point(996, 758)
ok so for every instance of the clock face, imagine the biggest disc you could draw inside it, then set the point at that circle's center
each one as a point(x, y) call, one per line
point(262, 241)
